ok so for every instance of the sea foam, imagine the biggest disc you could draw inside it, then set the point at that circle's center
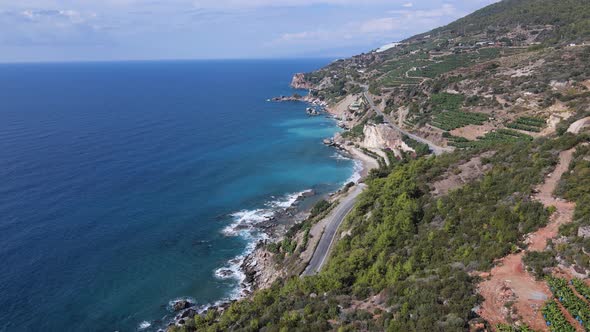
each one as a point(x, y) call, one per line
point(245, 224)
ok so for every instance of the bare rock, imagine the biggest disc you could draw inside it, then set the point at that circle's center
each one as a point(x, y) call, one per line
point(299, 82)
point(181, 305)
point(584, 232)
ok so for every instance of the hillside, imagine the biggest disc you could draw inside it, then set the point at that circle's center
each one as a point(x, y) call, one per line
point(563, 21)
point(497, 91)
point(500, 68)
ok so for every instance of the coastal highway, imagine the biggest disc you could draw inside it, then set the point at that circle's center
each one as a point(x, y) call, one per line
point(335, 218)
point(437, 150)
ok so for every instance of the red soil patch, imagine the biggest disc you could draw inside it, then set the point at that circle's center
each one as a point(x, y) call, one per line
point(509, 280)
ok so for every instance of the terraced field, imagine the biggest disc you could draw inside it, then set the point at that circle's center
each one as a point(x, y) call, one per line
point(531, 124)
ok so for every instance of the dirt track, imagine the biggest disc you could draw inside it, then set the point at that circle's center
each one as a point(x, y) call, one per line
point(509, 280)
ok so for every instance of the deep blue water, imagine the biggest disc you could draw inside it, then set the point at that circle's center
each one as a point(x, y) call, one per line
point(118, 179)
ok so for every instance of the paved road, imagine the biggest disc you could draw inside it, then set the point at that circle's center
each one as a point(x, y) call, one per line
point(335, 218)
point(437, 150)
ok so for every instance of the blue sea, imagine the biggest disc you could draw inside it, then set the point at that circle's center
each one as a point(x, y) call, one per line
point(124, 186)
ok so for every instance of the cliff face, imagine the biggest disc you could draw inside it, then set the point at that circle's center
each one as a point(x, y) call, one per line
point(299, 82)
point(384, 137)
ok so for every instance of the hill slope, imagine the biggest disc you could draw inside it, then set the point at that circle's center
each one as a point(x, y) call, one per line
point(501, 86)
point(569, 19)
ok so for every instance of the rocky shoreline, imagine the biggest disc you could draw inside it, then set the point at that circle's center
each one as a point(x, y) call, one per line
point(258, 267)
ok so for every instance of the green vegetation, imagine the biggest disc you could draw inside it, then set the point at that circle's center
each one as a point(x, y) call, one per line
point(528, 124)
point(379, 158)
point(448, 116)
point(356, 131)
point(420, 148)
point(399, 72)
point(490, 139)
point(570, 18)
point(378, 119)
point(455, 61)
point(446, 102)
point(320, 207)
point(536, 262)
point(456, 119)
point(455, 140)
point(582, 288)
point(576, 306)
point(413, 249)
point(508, 328)
point(555, 318)
point(575, 187)
point(417, 252)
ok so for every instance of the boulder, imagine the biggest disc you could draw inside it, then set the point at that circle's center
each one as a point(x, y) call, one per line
point(190, 313)
point(181, 305)
point(308, 193)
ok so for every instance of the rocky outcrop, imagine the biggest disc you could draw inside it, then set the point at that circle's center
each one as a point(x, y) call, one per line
point(260, 269)
point(299, 82)
point(287, 98)
point(181, 305)
point(384, 137)
point(579, 125)
point(584, 232)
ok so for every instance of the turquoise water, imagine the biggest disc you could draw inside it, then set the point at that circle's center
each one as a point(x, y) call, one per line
point(123, 184)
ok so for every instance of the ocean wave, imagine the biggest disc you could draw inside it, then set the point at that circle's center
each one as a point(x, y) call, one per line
point(357, 171)
point(245, 224)
point(340, 156)
point(144, 325)
point(245, 221)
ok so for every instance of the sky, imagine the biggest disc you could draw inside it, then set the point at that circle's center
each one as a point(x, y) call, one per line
point(104, 30)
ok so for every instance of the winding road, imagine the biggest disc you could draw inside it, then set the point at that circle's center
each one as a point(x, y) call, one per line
point(335, 218)
point(437, 150)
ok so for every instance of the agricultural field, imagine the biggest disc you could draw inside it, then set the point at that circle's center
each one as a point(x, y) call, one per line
point(555, 319)
point(446, 102)
point(450, 120)
point(394, 72)
point(530, 124)
point(491, 138)
point(581, 288)
point(451, 62)
point(577, 307)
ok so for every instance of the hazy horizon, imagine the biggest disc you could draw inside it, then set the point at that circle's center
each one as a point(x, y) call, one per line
point(140, 30)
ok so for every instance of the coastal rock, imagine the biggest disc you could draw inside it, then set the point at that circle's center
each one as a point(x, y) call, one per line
point(225, 273)
point(329, 142)
point(299, 82)
point(190, 313)
point(181, 305)
point(287, 98)
point(308, 193)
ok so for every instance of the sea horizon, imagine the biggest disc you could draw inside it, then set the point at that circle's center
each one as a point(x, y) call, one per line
point(325, 59)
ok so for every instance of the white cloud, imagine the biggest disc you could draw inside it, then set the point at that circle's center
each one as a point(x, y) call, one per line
point(399, 23)
point(56, 16)
point(446, 10)
point(237, 4)
point(408, 5)
point(385, 24)
point(300, 36)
